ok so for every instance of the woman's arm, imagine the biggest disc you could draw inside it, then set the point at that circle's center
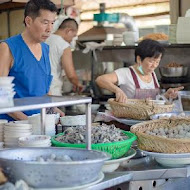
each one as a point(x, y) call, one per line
point(109, 82)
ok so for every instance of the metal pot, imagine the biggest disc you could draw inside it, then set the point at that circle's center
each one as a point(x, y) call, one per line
point(173, 71)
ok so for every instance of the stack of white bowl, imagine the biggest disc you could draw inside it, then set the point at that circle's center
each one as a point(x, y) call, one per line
point(20, 121)
point(12, 131)
point(50, 120)
point(35, 141)
point(130, 37)
point(2, 123)
point(118, 39)
point(6, 92)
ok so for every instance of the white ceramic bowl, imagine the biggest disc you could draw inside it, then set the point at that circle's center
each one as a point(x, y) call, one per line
point(73, 120)
point(16, 135)
point(18, 126)
point(6, 88)
point(6, 102)
point(95, 107)
point(112, 165)
point(35, 139)
point(173, 162)
point(2, 121)
point(11, 140)
point(5, 92)
point(32, 145)
point(108, 107)
point(81, 108)
point(6, 80)
point(20, 122)
point(130, 37)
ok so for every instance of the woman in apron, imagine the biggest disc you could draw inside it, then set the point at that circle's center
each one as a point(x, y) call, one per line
point(138, 81)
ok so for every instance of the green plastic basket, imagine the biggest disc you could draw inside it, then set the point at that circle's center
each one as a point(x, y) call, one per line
point(116, 149)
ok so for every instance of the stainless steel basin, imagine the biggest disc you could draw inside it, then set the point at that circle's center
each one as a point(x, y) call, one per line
point(173, 71)
point(21, 163)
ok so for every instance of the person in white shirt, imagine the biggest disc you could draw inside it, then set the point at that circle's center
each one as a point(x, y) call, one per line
point(138, 81)
point(61, 56)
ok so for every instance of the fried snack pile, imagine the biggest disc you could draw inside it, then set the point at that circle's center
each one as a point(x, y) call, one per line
point(173, 64)
point(156, 36)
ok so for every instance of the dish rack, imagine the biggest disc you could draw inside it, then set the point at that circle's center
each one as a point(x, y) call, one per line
point(161, 144)
point(140, 109)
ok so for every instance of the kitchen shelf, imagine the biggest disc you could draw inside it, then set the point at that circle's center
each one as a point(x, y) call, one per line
point(30, 103)
point(166, 45)
point(23, 104)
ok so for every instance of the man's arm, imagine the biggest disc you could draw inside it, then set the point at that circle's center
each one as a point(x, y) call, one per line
point(68, 66)
point(6, 62)
point(57, 110)
point(6, 59)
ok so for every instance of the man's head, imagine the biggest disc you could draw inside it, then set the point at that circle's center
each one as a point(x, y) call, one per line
point(39, 17)
point(69, 27)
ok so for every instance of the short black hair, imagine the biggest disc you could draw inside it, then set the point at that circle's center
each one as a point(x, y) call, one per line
point(149, 48)
point(69, 23)
point(33, 8)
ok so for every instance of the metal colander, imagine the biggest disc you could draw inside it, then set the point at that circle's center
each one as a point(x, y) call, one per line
point(21, 163)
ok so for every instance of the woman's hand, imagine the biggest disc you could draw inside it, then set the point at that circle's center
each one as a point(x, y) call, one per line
point(173, 92)
point(120, 96)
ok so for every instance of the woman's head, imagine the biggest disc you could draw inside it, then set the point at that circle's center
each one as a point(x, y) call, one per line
point(148, 55)
point(149, 48)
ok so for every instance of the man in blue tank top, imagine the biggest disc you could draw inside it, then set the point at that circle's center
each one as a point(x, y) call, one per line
point(26, 56)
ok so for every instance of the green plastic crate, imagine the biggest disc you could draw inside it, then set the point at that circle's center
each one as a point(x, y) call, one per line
point(116, 149)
